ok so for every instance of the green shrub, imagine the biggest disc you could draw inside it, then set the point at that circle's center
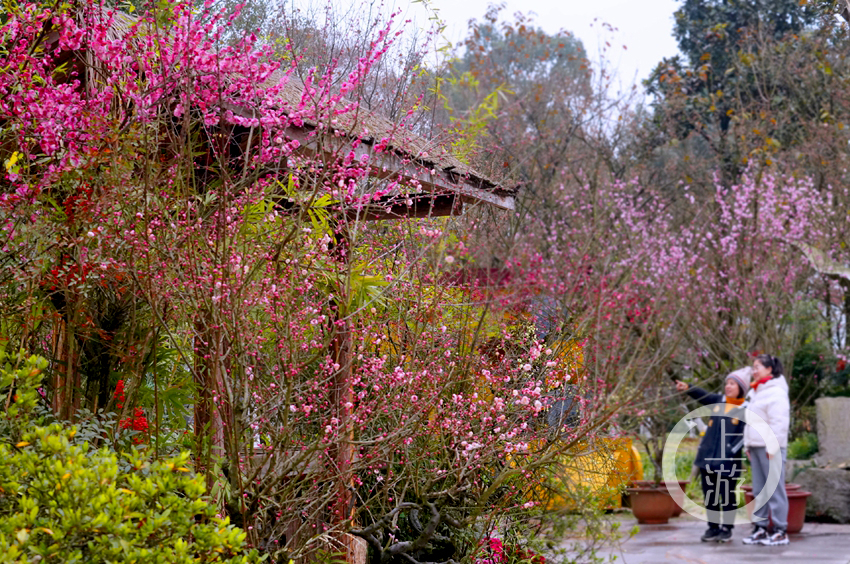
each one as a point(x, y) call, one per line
point(803, 447)
point(66, 502)
point(685, 456)
point(684, 464)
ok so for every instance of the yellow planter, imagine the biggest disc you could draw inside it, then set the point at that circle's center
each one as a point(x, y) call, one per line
point(599, 471)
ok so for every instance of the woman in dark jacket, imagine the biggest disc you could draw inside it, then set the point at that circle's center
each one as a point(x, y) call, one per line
point(720, 454)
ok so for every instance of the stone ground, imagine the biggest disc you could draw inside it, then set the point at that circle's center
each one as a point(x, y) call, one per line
point(679, 541)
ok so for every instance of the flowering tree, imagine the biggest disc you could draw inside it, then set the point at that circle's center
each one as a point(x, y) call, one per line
point(177, 213)
point(192, 219)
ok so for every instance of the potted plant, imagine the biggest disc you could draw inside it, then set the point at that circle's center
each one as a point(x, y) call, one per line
point(650, 500)
point(796, 505)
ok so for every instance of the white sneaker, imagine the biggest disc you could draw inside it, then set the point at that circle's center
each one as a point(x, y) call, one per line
point(777, 538)
point(758, 536)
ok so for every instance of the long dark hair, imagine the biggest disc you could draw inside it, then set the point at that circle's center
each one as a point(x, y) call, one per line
point(771, 362)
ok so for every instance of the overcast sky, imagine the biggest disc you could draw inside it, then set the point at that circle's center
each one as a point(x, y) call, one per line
point(643, 26)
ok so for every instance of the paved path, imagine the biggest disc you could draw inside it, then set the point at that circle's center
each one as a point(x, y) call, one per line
point(679, 541)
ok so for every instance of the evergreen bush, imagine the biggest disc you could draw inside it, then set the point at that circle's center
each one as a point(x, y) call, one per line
point(66, 502)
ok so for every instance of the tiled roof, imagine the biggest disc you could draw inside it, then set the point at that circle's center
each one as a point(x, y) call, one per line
point(371, 127)
point(444, 170)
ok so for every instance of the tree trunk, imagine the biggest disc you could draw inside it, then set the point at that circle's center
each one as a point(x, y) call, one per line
point(209, 428)
point(342, 396)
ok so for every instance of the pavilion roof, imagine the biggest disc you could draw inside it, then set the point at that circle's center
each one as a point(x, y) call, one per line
point(371, 127)
point(446, 181)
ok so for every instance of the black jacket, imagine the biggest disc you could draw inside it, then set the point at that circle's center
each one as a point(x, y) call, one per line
point(721, 448)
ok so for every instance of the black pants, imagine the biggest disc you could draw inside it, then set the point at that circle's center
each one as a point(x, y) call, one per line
point(719, 495)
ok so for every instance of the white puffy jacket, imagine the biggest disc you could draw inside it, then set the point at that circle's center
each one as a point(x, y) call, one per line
point(770, 402)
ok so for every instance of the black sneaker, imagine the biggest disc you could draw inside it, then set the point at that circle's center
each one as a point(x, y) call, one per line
point(725, 535)
point(710, 535)
point(777, 538)
point(758, 536)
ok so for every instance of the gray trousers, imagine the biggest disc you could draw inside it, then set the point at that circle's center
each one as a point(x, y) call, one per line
point(777, 505)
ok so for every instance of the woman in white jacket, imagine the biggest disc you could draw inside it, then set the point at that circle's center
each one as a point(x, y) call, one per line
point(768, 398)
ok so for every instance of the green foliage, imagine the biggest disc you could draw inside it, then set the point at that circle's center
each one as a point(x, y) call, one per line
point(803, 447)
point(716, 28)
point(816, 372)
point(63, 500)
point(684, 467)
point(737, 84)
point(365, 290)
point(318, 208)
point(521, 55)
point(836, 380)
point(168, 390)
point(684, 463)
point(538, 84)
point(471, 128)
point(747, 478)
point(813, 360)
point(18, 378)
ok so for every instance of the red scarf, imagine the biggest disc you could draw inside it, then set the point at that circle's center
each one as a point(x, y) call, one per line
point(758, 383)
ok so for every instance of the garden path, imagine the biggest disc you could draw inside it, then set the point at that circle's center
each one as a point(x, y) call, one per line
point(678, 541)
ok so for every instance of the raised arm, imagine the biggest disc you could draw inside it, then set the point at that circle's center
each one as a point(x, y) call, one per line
point(702, 396)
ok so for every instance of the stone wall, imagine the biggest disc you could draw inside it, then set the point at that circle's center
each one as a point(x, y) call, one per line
point(829, 480)
point(830, 499)
point(833, 431)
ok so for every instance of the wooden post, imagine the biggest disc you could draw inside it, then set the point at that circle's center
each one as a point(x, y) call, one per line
point(58, 371)
point(342, 511)
point(209, 429)
point(342, 395)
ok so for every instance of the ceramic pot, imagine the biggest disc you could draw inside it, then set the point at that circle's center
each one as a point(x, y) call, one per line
point(796, 506)
point(651, 505)
point(679, 498)
point(789, 486)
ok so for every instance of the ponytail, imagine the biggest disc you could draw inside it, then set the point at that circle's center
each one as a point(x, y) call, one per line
point(777, 367)
point(773, 363)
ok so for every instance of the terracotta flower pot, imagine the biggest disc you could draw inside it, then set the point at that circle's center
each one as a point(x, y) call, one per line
point(651, 505)
point(797, 509)
point(679, 498)
point(796, 506)
point(789, 486)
